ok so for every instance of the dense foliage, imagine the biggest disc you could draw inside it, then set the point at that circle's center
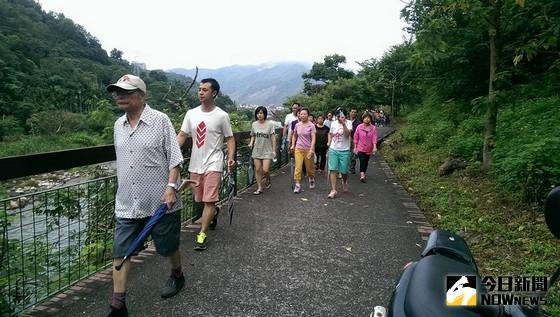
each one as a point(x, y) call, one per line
point(53, 75)
point(440, 79)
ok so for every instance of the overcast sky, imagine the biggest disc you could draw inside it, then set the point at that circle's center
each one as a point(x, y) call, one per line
point(166, 34)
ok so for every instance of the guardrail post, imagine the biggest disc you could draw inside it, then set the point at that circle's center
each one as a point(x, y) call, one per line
point(235, 169)
point(278, 151)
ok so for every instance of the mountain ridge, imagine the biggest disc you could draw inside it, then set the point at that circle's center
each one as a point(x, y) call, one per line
point(267, 83)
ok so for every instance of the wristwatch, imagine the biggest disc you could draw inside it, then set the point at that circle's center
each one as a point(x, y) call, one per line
point(172, 185)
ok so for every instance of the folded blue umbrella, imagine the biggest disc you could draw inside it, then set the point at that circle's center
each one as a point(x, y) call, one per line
point(139, 241)
point(143, 235)
point(231, 194)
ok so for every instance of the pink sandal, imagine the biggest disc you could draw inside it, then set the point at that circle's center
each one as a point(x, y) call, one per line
point(332, 194)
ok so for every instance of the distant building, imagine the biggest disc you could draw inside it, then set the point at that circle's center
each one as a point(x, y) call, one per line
point(137, 67)
point(247, 106)
point(254, 106)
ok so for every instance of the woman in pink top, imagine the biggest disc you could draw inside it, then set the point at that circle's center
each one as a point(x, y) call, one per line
point(365, 143)
point(303, 146)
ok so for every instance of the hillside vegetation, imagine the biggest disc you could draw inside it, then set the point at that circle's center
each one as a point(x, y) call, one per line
point(53, 75)
point(506, 124)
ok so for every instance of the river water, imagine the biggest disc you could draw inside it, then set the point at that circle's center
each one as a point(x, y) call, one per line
point(52, 227)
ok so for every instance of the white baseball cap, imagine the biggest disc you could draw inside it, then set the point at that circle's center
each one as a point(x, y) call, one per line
point(128, 82)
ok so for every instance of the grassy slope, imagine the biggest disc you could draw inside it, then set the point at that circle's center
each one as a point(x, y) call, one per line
point(506, 236)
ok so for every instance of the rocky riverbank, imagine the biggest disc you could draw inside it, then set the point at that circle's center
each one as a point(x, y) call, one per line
point(18, 190)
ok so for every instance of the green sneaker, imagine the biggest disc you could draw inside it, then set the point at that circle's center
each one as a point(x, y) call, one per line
point(200, 242)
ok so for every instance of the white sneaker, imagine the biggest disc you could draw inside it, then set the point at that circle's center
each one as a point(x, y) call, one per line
point(311, 182)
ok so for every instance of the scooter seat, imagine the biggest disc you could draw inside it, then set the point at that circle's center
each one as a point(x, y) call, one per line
point(450, 245)
point(426, 291)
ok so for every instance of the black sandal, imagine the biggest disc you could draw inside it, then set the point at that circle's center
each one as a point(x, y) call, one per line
point(267, 183)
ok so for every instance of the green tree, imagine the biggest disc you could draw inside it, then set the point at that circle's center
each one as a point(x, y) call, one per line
point(392, 80)
point(52, 68)
point(103, 116)
point(456, 40)
point(55, 122)
point(10, 126)
point(324, 73)
point(116, 54)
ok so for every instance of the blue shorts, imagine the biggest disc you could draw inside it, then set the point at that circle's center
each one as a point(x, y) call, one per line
point(339, 161)
point(166, 234)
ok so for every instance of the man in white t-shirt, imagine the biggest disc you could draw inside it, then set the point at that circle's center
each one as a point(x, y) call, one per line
point(290, 117)
point(209, 126)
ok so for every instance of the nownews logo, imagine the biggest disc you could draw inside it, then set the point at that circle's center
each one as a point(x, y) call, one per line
point(502, 290)
point(515, 290)
point(461, 290)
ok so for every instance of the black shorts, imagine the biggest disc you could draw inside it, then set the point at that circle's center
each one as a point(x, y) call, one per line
point(166, 234)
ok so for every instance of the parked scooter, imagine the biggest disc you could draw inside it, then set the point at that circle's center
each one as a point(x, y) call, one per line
point(423, 288)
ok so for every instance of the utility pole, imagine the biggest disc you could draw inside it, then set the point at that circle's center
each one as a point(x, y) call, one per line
point(393, 100)
point(393, 82)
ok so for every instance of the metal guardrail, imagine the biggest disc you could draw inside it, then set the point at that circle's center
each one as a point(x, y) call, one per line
point(52, 239)
point(33, 164)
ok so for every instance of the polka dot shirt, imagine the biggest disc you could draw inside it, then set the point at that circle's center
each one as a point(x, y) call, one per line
point(145, 155)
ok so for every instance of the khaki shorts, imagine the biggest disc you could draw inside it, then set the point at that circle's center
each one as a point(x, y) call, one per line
point(208, 188)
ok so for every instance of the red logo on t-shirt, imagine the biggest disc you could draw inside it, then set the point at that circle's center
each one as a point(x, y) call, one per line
point(200, 134)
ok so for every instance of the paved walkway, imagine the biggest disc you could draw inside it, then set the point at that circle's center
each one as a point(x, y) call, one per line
point(285, 255)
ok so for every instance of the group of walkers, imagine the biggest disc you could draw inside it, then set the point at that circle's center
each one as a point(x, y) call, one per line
point(380, 118)
point(149, 161)
point(337, 141)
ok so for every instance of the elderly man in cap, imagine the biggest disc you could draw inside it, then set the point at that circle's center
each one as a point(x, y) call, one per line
point(148, 164)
